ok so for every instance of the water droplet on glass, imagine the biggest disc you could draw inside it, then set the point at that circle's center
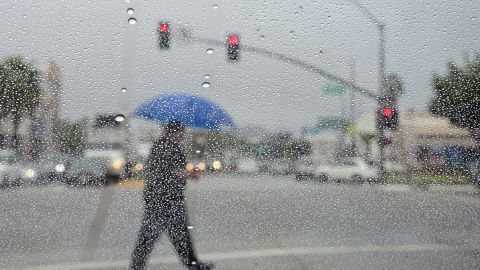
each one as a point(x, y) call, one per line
point(206, 84)
point(124, 90)
point(207, 76)
point(130, 11)
point(209, 50)
point(132, 21)
point(215, 6)
point(119, 117)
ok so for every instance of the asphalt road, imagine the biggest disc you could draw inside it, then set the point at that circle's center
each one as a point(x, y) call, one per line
point(248, 222)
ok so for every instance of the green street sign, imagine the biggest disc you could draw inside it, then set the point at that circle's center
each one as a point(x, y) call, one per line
point(261, 149)
point(334, 90)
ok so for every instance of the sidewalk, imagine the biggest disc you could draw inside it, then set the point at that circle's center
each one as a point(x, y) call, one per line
point(466, 189)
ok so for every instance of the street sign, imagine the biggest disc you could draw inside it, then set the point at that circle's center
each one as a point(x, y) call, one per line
point(334, 90)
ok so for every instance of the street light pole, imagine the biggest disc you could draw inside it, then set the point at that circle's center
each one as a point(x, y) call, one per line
point(381, 78)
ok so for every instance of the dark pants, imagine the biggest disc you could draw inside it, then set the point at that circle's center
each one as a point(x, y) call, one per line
point(160, 216)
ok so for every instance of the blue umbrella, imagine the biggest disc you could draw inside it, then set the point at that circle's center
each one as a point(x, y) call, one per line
point(193, 111)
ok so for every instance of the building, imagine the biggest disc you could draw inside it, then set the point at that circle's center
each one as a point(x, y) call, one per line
point(422, 141)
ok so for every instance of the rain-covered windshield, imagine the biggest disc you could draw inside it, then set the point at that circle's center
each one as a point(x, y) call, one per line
point(267, 134)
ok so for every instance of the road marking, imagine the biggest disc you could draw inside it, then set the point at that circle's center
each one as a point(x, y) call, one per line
point(266, 253)
point(133, 183)
point(396, 188)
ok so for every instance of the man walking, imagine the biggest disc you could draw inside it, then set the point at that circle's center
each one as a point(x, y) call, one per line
point(165, 201)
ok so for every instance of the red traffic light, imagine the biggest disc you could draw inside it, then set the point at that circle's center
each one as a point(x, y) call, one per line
point(387, 112)
point(233, 40)
point(164, 27)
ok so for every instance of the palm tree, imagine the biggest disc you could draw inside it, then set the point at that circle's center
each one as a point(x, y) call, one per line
point(19, 91)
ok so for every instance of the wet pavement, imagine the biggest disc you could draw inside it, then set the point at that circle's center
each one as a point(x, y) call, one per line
point(250, 222)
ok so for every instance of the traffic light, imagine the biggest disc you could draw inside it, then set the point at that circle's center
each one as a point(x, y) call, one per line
point(164, 35)
point(387, 117)
point(233, 48)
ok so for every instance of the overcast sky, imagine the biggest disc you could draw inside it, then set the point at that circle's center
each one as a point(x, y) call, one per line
point(89, 39)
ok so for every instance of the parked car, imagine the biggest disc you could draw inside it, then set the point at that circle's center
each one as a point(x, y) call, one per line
point(304, 169)
point(43, 171)
point(353, 170)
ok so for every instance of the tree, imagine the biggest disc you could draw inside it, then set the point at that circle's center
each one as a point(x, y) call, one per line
point(282, 145)
point(457, 96)
point(19, 91)
point(72, 138)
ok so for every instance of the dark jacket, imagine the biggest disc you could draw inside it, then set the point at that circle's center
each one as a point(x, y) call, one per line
point(165, 159)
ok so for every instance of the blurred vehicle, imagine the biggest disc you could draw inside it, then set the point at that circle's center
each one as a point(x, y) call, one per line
point(134, 169)
point(195, 168)
point(247, 166)
point(6, 159)
point(51, 169)
point(19, 173)
point(87, 172)
point(354, 170)
point(304, 168)
point(475, 172)
point(113, 156)
point(215, 165)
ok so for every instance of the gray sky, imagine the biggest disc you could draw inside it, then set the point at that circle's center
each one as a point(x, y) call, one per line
point(88, 39)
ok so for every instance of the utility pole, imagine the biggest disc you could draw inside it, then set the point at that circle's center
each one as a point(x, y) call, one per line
point(352, 105)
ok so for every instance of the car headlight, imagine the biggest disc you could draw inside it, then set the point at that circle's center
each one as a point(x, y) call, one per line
point(60, 168)
point(30, 173)
point(117, 165)
point(202, 166)
point(217, 165)
point(138, 167)
point(190, 167)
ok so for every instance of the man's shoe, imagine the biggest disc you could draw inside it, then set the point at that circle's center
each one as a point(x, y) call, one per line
point(201, 266)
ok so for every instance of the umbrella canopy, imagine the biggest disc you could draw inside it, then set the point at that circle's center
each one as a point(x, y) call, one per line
point(193, 111)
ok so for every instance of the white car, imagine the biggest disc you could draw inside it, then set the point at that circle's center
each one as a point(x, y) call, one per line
point(304, 168)
point(355, 170)
point(112, 154)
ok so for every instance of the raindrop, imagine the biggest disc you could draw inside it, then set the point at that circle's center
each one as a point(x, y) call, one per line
point(210, 50)
point(130, 11)
point(124, 90)
point(120, 118)
point(207, 76)
point(206, 84)
point(215, 6)
point(132, 21)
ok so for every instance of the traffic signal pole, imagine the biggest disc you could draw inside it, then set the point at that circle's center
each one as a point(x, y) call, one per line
point(382, 100)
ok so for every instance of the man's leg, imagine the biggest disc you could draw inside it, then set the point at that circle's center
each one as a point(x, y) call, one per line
point(151, 228)
point(179, 234)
